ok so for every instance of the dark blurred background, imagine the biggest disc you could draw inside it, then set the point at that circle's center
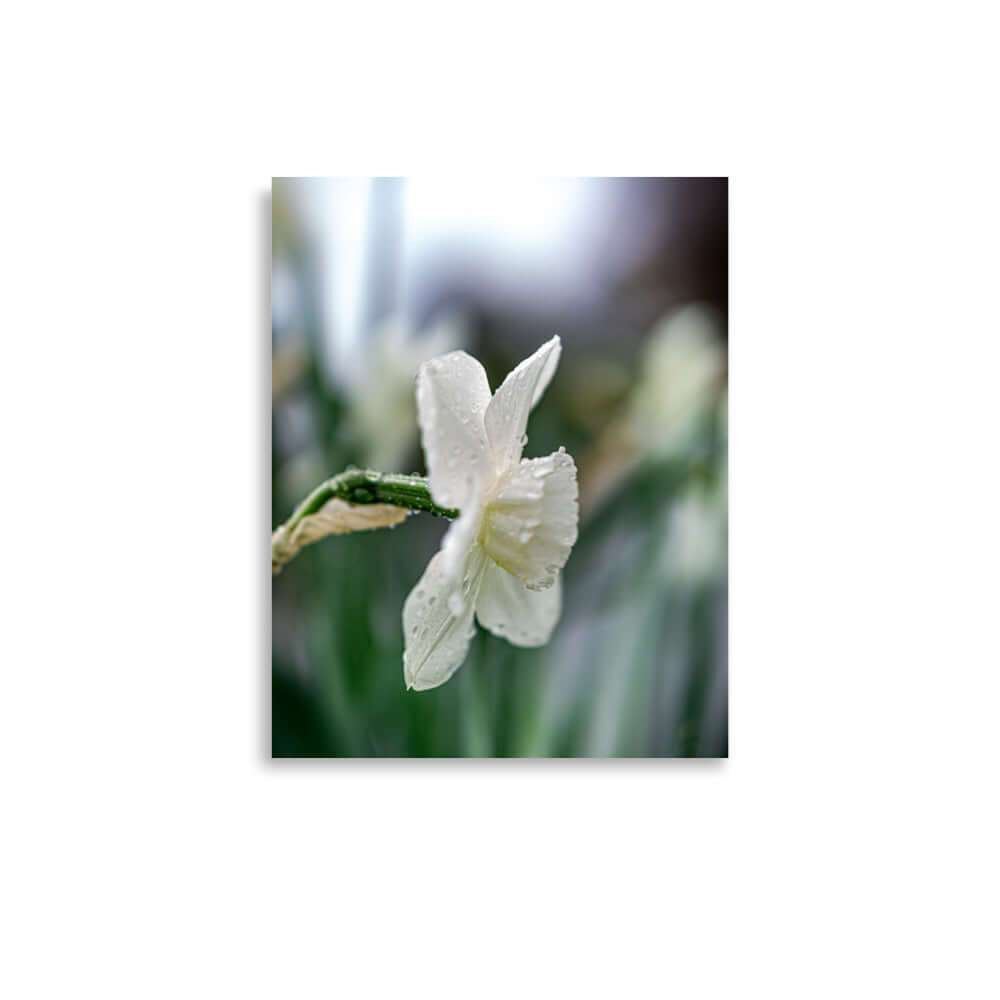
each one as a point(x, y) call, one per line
point(372, 276)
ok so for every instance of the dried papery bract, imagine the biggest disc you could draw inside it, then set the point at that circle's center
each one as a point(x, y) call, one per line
point(335, 517)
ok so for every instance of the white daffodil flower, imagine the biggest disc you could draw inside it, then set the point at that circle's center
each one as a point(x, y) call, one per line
point(501, 559)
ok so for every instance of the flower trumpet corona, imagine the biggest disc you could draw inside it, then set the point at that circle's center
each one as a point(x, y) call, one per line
point(501, 559)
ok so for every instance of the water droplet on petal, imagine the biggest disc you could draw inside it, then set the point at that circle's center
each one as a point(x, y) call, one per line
point(455, 603)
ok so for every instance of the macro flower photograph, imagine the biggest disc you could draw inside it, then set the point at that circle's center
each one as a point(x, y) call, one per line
point(499, 452)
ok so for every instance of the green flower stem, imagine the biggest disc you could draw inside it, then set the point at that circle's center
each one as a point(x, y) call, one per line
point(363, 486)
point(358, 488)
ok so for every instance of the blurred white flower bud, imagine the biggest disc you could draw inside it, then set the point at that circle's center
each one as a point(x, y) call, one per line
point(682, 368)
point(382, 410)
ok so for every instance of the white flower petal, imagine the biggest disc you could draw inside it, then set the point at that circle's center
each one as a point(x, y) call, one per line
point(452, 396)
point(508, 609)
point(437, 620)
point(549, 365)
point(507, 413)
point(460, 538)
point(530, 524)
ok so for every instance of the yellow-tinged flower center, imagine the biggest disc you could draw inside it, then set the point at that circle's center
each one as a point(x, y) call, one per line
point(529, 519)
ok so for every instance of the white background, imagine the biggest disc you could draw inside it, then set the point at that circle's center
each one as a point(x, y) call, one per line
point(847, 848)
